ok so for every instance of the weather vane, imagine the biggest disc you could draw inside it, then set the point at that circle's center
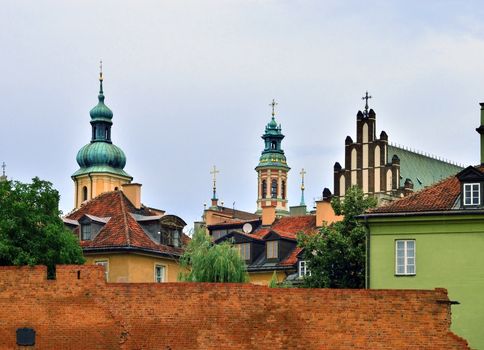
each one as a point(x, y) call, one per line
point(366, 98)
point(273, 104)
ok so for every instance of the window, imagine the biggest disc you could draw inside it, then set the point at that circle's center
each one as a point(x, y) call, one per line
point(176, 238)
point(274, 189)
point(244, 250)
point(159, 273)
point(472, 194)
point(85, 232)
point(104, 263)
point(405, 257)
point(283, 190)
point(303, 269)
point(273, 145)
point(271, 247)
point(84, 193)
point(264, 189)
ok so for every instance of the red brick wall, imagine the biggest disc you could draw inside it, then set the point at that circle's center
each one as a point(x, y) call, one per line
point(87, 313)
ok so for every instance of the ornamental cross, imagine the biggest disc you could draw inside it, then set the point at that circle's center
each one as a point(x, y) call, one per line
point(302, 173)
point(214, 173)
point(101, 68)
point(273, 104)
point(366, 98)
point(3, 168)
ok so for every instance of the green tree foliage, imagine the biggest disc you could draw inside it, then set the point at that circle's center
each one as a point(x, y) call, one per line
point(336, 256)
point(31, 230)
point(208, 262)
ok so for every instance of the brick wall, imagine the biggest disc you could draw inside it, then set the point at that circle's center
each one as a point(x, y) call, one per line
point(79, 310)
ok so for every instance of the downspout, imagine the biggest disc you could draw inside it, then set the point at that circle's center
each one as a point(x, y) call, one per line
point(77, 193)
point(367, 257)
point(90, 190)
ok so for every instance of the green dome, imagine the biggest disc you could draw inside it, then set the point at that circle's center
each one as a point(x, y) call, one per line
point(101, 153)
point(101, 111)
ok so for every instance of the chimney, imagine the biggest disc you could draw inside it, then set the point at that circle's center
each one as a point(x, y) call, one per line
point(268, 215)
point(324, 210)
point(480, 130)
point(133, 192)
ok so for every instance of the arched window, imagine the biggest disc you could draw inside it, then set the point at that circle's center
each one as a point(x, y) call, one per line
point(93, 133)
point(273, 145)
point(283, 190)
point(115, 188)
point(84, 193)
point(274, 189)
point(106, 134)
point(264, 188)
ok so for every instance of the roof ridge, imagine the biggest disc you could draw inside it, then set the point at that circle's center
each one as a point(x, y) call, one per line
point(426, 154)
point(123, 210)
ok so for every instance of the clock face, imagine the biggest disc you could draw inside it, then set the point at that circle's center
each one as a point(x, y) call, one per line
point(247, 228)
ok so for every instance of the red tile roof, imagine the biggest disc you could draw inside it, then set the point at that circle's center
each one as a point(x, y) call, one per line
point(441, 196)
point(122, 230)
point(290, 226)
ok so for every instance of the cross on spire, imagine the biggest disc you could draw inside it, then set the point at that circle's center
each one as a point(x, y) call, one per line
point(273, 104)
point(302, 173)
point(214, 173)
point(3, 168)
point(101, 70)
point(366, 98)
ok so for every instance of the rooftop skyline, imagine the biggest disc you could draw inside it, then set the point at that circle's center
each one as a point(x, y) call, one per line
point(190, 85)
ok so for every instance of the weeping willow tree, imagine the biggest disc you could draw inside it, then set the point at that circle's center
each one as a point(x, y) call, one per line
point(208, 262)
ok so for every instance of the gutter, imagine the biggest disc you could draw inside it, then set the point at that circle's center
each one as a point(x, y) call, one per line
point(173, 256)
point(423, 213)
point(367, 255)
point(90, 191)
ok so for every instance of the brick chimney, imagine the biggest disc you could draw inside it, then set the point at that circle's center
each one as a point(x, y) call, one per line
point(133, 192)
point(324, 210)
point(480, 130)
point(268, 215)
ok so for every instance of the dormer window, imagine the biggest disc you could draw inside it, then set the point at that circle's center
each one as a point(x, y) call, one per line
point(272, 249)
point(244, 250)
point(472, 194)
point(86, 232)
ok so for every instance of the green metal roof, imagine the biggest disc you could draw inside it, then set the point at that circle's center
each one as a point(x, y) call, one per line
point(101, 169)
point(421, 169)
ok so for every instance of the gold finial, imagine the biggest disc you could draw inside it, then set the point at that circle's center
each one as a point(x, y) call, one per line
point(101, 70)
point(273, 104)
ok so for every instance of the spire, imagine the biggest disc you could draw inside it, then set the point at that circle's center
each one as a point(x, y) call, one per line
point(3, 177)
point(302, 173)
point(214, 173)
point(101, 92)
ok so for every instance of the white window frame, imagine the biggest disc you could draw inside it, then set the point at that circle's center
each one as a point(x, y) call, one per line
point(303, 269)
point(244, 250)
point(471, 198)
point(406, 258)
point(83, 228)
point(163, 276)
point(105, 264)
point(273, 248)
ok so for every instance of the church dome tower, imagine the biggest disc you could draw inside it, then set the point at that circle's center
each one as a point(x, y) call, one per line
point(272, 170)
point(101, 163)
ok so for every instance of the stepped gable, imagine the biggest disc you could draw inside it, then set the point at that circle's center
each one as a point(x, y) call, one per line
point(121, 230)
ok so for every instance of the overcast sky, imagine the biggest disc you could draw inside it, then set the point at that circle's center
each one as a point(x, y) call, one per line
point(190, 84)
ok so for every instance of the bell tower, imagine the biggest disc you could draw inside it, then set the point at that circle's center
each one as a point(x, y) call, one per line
point(101, 163)
point(272, 170)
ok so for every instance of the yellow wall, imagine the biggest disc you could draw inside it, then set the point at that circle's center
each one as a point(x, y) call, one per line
point(101, 183)
point(263, 278)
point(135, 268)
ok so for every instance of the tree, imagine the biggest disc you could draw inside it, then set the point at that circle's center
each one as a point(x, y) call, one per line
point(31, 230)
point(336, 256)
point(208, 262)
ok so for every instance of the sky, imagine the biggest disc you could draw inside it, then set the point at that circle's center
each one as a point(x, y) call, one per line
point(190, 83)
